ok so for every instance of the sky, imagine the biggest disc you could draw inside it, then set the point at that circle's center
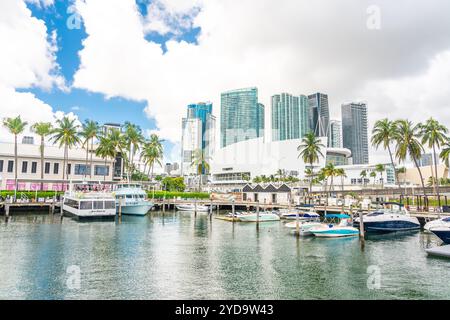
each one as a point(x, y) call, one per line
point(145, 61)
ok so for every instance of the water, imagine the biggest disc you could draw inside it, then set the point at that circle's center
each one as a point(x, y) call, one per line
point(178, 256)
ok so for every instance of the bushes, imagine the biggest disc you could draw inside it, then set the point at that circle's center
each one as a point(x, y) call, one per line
point(31, 194)
point(183, 195)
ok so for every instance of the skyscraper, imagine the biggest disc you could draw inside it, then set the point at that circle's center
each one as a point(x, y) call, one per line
point(241, 116)
point(290, 116)
point(198, 130)
point(335, 136)
point(354, 131)
point(319, 114)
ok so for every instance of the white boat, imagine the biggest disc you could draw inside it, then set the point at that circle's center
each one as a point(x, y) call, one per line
point(395, 218)
point(304, 226)
point(89, 202)
point(443, 222)
point(343, 229)
point(192, 207)
point(302, 214)
point(131, 199)
point(263, 217)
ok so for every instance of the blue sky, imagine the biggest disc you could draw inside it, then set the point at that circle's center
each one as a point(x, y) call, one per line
point(90, 105)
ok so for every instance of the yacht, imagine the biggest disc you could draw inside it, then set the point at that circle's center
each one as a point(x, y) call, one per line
point(304, 227)
point(303, 214)
point(437, 223)
point(131, 199)
point(192, 207)
point(442, 232)
point(263, 217)
point(343, 229)
point(389, 219)
point(89, 202)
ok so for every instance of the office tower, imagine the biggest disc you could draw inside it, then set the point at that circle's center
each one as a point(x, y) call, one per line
point(335, 136)
point(197, 134)
point(319, 114)
point(242, 117)
point(290, 116)
point(354, 131)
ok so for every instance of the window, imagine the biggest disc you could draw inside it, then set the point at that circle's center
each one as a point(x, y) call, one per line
point(110, 205)
point(33, 167)
point(274, 198)
point(69, 168)
point(10, 166)
point(86, 205)
point(82, 169)
point(98, 205)
point(47, 168)
point(101, 171)
point(24, 166)
point(1, 165)
point(71, 203)
point(55, 168)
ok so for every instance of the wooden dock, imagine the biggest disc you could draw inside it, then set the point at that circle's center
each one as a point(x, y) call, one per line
point(8, 207)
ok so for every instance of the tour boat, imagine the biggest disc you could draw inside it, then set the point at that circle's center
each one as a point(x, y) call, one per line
point(442, 232)
point(192, 207)
point(443, 222)
point(343, 229)
point(304, 226)
point(308, 214)
point(131, 199)
point(393, 219)
point(89, 202)
point(263, 217)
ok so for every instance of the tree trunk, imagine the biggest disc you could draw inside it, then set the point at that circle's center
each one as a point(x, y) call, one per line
point(42, 163)
point(15, 167)
point(433, 181)
point(91, 165)
point(87, 157)
point(395, 171)
point(104, 176)
point(420, 174)
point(436, 172)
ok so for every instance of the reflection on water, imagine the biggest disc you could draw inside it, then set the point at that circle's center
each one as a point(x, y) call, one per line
point(186, 256)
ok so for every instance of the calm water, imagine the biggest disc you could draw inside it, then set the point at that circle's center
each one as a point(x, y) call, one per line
point(178, 256)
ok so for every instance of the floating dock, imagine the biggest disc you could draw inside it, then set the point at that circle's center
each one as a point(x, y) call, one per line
point(442, 251)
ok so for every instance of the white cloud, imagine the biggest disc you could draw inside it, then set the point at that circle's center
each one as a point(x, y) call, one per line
point(294, 46)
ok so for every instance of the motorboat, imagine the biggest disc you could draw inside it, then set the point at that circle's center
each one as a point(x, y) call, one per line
point(442, 232)
point(304, 227)
point(389, 219)
point(192, 207)
point(258, 217)
point(131, 199)
point(443, 222)
point(303, 215)
point(89, 202)
point(343, 229)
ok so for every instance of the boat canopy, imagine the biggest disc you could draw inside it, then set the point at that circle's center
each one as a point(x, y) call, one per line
point(337, 216)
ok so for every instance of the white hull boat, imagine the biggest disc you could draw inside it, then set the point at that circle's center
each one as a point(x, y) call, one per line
point(443, 222)
point(192, 208)
point(263, 217)
point(131, 199)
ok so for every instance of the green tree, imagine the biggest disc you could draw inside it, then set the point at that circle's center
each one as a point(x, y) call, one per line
point(106, 150)
point(89, 132)
point(408, 144)
point(341, 173)
point(310, 151)
point(133, 138)
point(152, 152)
point(173, 184)
point(373, 175)
point(363, 175)
point(42, 129)
point(445, 153)
point(379, 168)
point(15, 126)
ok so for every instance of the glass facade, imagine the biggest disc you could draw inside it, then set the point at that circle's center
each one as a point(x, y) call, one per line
point(354, 131)
point(290, 117)
point(335, 136)
point(337, 159)
point(319, 114)
point(242, 117)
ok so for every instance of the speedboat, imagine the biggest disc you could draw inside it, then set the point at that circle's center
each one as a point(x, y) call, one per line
point(304, 227)
point(437, 223)
point(343, 229)
point(395, 218)
point(131, 199)
point(192, 207)
point(442, 232)
point(308, 214)
point(253, 217)
point(89, 202)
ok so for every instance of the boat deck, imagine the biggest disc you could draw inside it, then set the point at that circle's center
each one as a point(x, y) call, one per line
point(442, 251)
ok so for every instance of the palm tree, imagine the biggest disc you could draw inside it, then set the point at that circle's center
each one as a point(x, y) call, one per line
point(408, 144)
point(379, 168)
point(445, 153)
point(200, 162)
point(106, 149)
point(363, 175)
point(133, 139)
point(434, 134)
point(310, 151)
point(341, 173)
point(15, 126)
point(42, 129)
point(66, 134)
point(151, 154)
point(89, 132)
point(373, 175)
point(384, 133)
point(118, 141)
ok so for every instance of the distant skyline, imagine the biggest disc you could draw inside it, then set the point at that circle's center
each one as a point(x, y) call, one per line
point(144, 61)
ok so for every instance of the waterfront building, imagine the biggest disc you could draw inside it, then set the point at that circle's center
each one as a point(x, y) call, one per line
point(29, 167)
point(290, 116)
point(319, 114)
point(339, 156)
point(354, 131)
point(427, 160)
point(241, 116)
point(198, 133)
point(335, 134)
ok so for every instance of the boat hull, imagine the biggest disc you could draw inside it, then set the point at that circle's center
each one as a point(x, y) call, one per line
point(335, 232)
point(262, 217)
point(192, 208)
point(442, 234)
point(387, 226)
point(136, 209)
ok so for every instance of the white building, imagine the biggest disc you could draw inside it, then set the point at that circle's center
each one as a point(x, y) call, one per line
point(335, 135)
point(29, 167)
point(191, 140)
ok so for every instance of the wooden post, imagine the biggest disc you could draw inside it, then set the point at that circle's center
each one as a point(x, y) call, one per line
point(361, 225)
point(233, 211)
point(120, 208)
point(218, 208)
point(210, 209)
point(297, 223)
point(195, 206)
point(257, 215)
point(6, 210)
point(164, 204)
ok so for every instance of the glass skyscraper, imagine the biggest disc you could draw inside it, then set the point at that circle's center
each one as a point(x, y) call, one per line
point(319, 114)
point(354, 131)
point(241, 116)
point(335, 136)
point(290, 116)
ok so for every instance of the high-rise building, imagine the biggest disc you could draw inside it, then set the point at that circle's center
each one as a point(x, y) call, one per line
point(197, 134)
point(319, 114)
point(335, 136)
point(354, 131)
point(427, 160)
point(241, 116)
point(290, 116)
